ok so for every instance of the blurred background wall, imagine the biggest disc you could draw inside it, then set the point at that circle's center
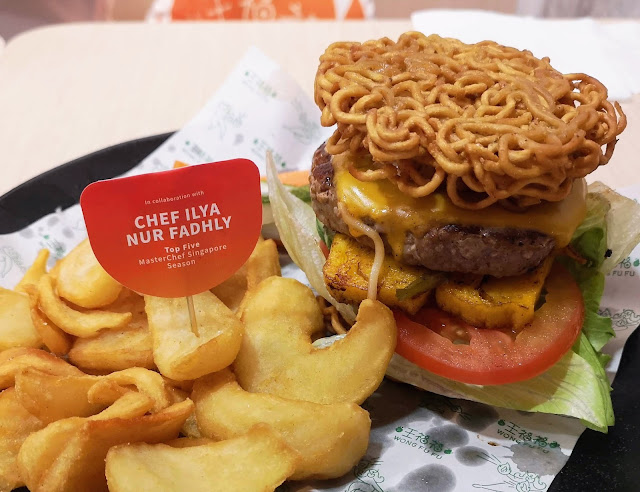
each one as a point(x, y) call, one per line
point(19, 15)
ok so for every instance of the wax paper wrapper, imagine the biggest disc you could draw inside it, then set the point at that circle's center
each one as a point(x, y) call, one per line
point(596, 50)
point(417, 437)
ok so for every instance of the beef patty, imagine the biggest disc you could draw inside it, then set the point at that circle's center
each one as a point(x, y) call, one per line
point(493, 251)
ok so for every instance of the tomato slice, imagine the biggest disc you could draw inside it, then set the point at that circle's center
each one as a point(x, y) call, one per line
point(489, 356)
point(324, 248)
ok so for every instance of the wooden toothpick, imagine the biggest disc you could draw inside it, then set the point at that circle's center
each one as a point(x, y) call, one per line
point(192, 316)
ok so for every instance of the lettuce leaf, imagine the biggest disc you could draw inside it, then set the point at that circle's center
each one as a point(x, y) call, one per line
point(577, 385)
point(623, 225)
point(324, 233)
point(302, 192)
point(590, 238)
point(296, 224)
point(571, 387)
point(584, 349)
point(598, 329)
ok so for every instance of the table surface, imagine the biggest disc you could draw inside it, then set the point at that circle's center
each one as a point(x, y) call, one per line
point(72, 89)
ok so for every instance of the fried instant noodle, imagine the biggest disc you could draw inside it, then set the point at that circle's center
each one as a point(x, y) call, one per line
point(486, 122)
point(332, 319)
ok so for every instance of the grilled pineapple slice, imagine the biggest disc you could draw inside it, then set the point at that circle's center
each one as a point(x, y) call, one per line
point(494, 302)
point(347, 270)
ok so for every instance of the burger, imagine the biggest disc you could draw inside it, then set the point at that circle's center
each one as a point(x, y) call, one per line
point(453, 191)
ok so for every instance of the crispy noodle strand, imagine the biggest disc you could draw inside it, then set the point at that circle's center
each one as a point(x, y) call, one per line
point(487, 122)
point(359, 228)
point(333, 320)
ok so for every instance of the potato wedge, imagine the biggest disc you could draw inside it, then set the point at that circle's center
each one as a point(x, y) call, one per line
point(129, 302)
point(53, 397)
point(177, 351)
point(56, 340)
point(330, 439)
point(82, 280)
point(78, 323)
point(277, 356)
point(16, 360)
point(188, 442)
point(105, 392)
point(233, 290)
point(69, 454)
point(16, 424)
point(35, 271)
point(190, 428)
point(258, 461)
point(145, 381)
point(129, 406)
point(115, 350)
point(16, 326)
point(264, 262)
point(186, 385)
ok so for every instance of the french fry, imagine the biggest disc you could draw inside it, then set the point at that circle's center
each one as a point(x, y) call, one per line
point(35, 271)
point(58, 424)
point(277, 355)
point(145, 381)
point(70, 454)
point(232, 291)
point(78, 323)
point(186, 385)
point(82, 280)
point(114, 350)
point(264, 262)
point(40, 452)
point(16, 424)
point(56, 340)
point(259, 461)
point(105, 392)
point(14, 361)
point(181, 354)
point(188, 442)
point(190, 428)
point(330, 439)
point(52, 397)
point(130, 405)
point(16, 327)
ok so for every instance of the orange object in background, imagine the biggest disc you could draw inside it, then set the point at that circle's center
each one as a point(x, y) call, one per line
point(291, 178)
point(267, 9)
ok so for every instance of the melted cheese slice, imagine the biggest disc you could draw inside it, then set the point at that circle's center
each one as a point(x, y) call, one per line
point(396, 213)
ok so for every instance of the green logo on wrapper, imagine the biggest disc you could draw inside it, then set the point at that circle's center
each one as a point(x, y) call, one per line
point(520, 435)
point(420, 441)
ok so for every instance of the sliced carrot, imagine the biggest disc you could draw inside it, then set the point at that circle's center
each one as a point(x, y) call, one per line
point(293, 178)
point(178, 164)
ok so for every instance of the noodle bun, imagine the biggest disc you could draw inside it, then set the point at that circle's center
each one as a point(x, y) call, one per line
point(485, 122)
